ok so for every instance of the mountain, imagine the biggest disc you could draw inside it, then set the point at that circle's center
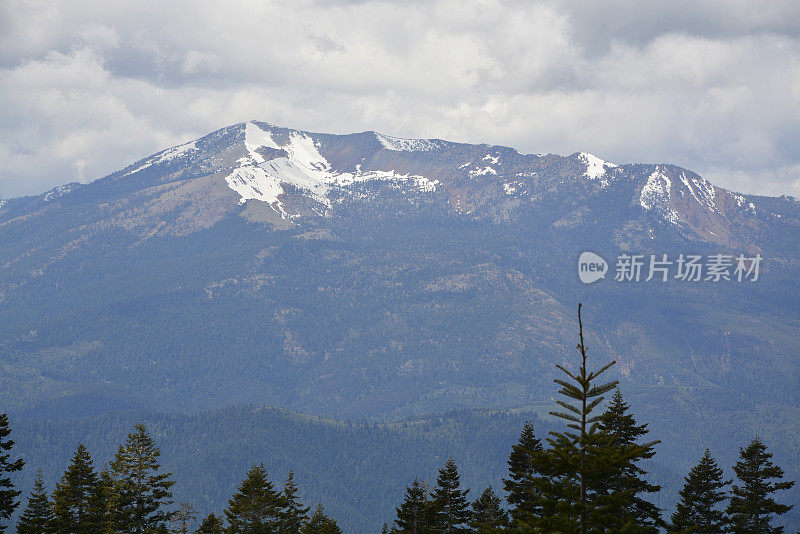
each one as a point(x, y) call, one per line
point(364, 276)
point(296, 175)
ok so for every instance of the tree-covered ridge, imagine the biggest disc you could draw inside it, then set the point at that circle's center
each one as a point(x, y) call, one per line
point(588, 478)
point(139, 499)
point(209, 453)
point(132, 494)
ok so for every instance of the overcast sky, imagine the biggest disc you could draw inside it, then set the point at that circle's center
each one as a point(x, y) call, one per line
point(88, 87)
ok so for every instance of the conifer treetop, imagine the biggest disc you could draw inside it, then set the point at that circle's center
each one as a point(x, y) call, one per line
point(8, 495)
point(38, 515)
point(699, 506)
point(753, 507)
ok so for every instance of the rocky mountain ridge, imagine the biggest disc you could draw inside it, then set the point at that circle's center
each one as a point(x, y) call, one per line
point(279, 175)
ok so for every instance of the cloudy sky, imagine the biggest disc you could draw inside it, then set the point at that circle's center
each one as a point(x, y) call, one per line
point(89, 87)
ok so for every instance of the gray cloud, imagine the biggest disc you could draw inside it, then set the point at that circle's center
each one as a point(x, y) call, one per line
point(714, 86)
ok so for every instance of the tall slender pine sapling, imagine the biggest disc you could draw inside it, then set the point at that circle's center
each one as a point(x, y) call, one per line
point(585, 396)
point(488, 514)
point(181, 518)
point(295, 514)
point(449, 507)
point(211, 524)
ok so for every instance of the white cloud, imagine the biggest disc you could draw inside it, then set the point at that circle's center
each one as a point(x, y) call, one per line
point(87, 88)
point(99, 37)
point(195, 61)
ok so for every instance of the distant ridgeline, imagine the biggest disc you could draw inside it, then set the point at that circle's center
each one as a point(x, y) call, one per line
point(589, 475)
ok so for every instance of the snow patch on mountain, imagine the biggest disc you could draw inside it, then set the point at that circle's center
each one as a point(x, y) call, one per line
point(166, 156)
point(482, 172)
point(491, 159)
point(303, 167)
point(252, 182)
point(656, 195)
point(407, 145)
point(595, 167)
point(741, 201)
point(59, 191)
point(260, 179)
point(176, 152)
point(255, 138)
point(420, 183)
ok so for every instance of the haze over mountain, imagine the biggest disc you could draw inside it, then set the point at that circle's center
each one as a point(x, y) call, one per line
point(366, 276)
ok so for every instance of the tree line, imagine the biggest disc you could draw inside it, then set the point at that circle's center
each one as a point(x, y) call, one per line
point(542, 499)
point(587, 478)
point(133, 495)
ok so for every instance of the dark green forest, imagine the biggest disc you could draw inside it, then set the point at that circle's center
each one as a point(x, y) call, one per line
point(588, 473)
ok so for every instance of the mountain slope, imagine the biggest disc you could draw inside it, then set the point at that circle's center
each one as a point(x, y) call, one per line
point(367, 276)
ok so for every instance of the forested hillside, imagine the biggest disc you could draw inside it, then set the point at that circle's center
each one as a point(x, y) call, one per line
point(358, 470)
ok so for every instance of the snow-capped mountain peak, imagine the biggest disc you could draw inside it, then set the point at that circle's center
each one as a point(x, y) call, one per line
point(275, 173)
point(298, 163)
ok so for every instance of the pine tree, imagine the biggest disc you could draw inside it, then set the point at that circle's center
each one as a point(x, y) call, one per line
point(629, 479)
point(449, 508)
point(295, 513)
point(182, 518)
point(412, 514)
point(487, 513)
point(256, 508)
point(210, 525)
point(8, 495)
point(522, 494)
point(72, 498)
point(752, 506)
point(572, 471)
point(38, 515)
point(103, 504)
point(698, 509)
point(141, 491)
point(319, 523)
